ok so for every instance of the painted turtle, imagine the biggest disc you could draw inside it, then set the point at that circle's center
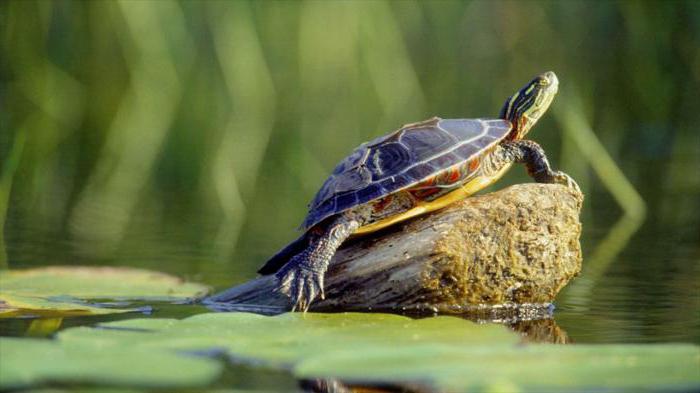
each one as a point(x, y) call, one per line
point(419, 168)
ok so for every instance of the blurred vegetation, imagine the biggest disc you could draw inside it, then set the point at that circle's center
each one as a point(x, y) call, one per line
point(189, 136)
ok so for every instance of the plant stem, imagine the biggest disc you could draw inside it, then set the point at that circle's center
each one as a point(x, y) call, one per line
point(6, 175)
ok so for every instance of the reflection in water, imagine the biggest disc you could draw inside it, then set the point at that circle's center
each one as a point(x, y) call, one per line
point(332, 385)
point(509, 313)
point(533, 324)
point(604, 254)
point(542, 331)
point(579, 130)
point(44, 327)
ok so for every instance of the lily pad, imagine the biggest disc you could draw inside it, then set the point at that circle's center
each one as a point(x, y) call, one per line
point(535, 368)
point(446, 353)
point(287, 339)
point(34, 361)
point(66, 291)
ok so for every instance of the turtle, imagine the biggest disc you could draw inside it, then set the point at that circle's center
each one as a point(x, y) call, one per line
point(420, 167)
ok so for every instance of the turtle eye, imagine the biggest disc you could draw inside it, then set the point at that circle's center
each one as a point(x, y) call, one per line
point(543, 82)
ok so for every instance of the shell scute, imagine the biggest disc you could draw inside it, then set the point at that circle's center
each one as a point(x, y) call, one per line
point(421, 171)
point(424, 142)
point(388, 160)
point(462, 129)
point(402, 159)
point(347, 199)
point(351, 180)
point(373, 191)
point(396, 182)
point(445, 161)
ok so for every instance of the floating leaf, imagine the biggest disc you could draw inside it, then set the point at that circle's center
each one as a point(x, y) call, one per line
point(534, 368)
point(64, 291)
point(443, 352)
point(289, 338)
point(44, 327)
point(34, 361)
point(17, 305)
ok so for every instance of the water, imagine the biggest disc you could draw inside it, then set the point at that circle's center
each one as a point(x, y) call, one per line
point(649, 292)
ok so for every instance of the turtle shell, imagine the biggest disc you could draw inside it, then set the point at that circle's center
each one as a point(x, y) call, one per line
point(402, 159)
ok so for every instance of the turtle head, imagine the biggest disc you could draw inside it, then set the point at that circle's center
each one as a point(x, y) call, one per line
point(528, 104)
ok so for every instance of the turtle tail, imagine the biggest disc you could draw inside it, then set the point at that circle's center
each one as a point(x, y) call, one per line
point(284, 255)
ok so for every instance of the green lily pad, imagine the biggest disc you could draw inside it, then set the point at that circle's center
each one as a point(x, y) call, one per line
point(28, 362)
point(287, 339)
point(534, 368)
point(65, 291)
point(18, 305)
point(445, 353)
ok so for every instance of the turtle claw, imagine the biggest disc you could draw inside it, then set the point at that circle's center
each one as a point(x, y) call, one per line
point(302, 284)
point(564, 179)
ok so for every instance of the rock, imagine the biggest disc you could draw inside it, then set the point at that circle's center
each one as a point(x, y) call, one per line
point(488, 254)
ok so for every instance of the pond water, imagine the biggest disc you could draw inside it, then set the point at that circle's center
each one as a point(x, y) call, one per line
point(647, 292)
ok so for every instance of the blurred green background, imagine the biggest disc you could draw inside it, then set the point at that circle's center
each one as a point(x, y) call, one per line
point(189, 136)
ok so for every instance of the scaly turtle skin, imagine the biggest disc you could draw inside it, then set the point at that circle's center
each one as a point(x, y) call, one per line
point(419, 168)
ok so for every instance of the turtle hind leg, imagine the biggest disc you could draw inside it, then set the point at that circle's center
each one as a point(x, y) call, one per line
point(284, 255)
point(533, 156)
point(302, 277)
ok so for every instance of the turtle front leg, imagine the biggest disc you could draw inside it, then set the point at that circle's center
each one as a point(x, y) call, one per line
point(533, 156)
point(302, 277)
